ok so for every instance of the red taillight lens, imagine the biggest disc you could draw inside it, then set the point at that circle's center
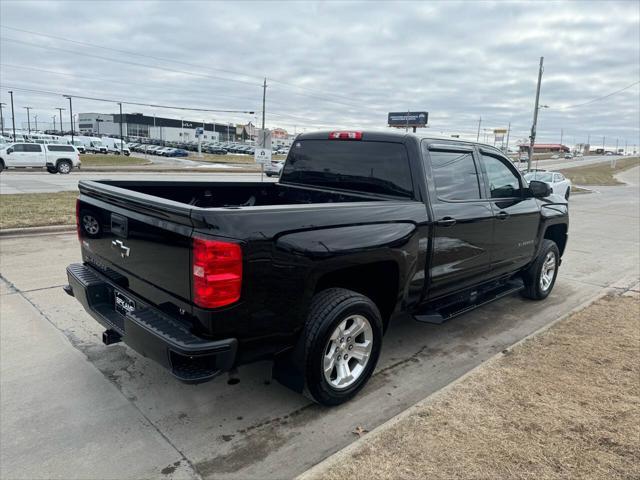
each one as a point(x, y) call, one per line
point(78, 217)
point(217, 273)
point(345, 136)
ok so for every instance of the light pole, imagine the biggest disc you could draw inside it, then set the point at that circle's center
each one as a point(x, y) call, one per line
point(54, 123)
point(28, 118)
point(36, 118)
point(535, 114)
point(13, 117)
point(2, 119)
point(61, 127)
point(121, 138)
point(98, 122)
point(70, 115)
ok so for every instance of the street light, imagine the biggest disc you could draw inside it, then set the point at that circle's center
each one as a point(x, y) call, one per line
point(61, 128)
point(28, 118)
point(70, 115)
point(2, 119)
point(13, 116)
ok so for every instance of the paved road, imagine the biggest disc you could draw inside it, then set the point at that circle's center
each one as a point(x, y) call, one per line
point(73, 408)
point(40, 182)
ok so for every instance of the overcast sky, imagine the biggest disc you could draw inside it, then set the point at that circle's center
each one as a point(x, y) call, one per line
point(332, 64)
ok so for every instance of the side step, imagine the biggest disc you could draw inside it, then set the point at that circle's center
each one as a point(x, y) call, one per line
point(439, 316)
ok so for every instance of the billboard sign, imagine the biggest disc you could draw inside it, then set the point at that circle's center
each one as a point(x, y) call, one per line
point(408, 119)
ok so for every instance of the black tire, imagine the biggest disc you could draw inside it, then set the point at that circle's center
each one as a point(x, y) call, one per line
point(52, 170)
point(328, 309)
point(64, 166)
point(533, 284)
point(1, 165)
point(566, 195)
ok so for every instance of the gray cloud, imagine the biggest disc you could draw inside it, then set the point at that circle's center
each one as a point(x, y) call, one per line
point(338, 64)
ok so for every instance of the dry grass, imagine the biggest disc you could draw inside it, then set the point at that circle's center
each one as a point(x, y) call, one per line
point(564, 404)
point(600, 173)
point(37, 209)
point(96, 160)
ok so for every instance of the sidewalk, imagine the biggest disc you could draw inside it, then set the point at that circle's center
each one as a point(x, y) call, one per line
point(563, 404)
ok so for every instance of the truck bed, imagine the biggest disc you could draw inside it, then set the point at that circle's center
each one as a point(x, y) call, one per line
point(236, 194)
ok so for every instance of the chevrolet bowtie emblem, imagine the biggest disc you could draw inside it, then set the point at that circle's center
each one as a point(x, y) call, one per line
point(124, 250)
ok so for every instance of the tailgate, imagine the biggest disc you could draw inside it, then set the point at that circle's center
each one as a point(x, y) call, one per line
point(146, 239)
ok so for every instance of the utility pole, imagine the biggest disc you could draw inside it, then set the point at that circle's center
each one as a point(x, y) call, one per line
point(264, 134)
point(535, 114)
point(561, 135)
point(603, 138)
point(2, 119)
point(28, 118)
point(36, 118)
point(61, 127)
point(616, 146)
point(13, 117)
point(508, 133)
point(479, 123)
point(54, 123)
point(121, 140)
point(70, 116)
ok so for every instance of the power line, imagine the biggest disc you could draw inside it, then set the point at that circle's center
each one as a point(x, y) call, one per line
point(164, 59)
point(139, 104)
point(600, 98)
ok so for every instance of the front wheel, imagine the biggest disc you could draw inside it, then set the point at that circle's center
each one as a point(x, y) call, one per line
point(341, 344)
point(540, 277)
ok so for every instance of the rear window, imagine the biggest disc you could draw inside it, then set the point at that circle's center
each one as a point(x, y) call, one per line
point(372, 167)
point(60, 148)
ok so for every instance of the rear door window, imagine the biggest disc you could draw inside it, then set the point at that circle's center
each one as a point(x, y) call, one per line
point(60, 148)
point(371, 167)
point(30, 147)
point(455, 175)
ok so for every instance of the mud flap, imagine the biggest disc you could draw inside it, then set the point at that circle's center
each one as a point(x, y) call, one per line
point(286, 371)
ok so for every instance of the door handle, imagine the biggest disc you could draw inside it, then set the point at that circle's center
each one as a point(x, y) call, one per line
point(502, 215)
point(446, 222)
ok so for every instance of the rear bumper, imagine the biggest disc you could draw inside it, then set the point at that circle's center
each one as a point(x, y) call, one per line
point(150, 332)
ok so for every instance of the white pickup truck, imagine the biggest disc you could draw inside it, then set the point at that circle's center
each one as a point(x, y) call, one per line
point(56, 158)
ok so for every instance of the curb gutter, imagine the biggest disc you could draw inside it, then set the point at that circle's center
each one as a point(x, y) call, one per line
point(47, 230)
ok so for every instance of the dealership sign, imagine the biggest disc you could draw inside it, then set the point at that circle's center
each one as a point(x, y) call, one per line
point(408, 119)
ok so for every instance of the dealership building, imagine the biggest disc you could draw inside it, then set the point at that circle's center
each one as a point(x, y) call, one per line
point(137, 125)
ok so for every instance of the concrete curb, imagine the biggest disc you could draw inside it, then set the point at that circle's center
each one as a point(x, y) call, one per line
point(341, 455)
point(28, 231)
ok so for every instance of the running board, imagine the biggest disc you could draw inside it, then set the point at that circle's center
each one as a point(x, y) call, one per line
point(439, 316)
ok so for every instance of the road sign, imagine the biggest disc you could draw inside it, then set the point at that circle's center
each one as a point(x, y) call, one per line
point(263, 156)
point(408, 119)
point(264, 139)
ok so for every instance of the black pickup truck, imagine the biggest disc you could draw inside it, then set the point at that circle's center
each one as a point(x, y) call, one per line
point(204, 276)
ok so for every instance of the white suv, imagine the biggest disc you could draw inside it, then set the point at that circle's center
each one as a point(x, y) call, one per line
point(56, 158)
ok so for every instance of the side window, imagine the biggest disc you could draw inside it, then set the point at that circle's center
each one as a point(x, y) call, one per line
point(18, 147)
point(32, 148)
point(503, 182)
point(455, 175)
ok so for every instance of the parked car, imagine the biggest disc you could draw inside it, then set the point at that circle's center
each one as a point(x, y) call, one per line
point(56, 158)
point(362, 227)
point(555, 155)
point(274, 168)
point(568, 156)
point(559, 184)
point(216, 150)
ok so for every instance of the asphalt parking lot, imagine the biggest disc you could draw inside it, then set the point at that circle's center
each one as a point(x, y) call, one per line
point(74, 408)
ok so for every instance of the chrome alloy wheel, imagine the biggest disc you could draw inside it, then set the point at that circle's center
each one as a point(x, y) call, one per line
point(548, 271)
point(347, 352)
point(64, 167)
point(90, 224)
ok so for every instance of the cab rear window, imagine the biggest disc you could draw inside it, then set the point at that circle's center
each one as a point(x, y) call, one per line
point(370, 167)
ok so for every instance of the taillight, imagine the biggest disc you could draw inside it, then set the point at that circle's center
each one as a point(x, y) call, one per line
point(78, 217)
point(217, 273)
point(345, 136)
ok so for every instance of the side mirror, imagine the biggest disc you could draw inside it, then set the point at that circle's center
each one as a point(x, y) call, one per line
point(539, 189)
point(9, 151)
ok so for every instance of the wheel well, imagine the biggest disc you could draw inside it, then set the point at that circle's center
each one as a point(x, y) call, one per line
point(557, 233)
point(63, 160)
point(378, 281)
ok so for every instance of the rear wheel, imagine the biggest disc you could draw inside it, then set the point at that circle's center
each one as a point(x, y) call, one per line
point(1, 165)
point(64, 166)
point(540, 277)
point(52, 170)
point(341, 344)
